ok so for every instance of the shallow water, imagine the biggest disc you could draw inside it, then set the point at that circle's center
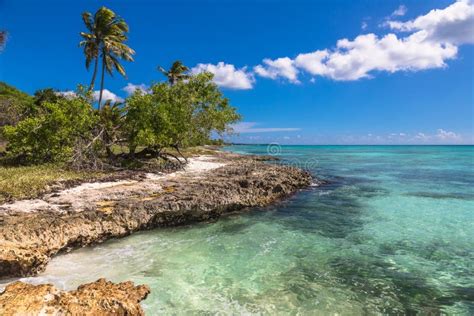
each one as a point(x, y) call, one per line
point(392, 232)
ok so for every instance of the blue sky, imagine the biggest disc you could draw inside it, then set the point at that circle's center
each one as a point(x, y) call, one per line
point(307, 72)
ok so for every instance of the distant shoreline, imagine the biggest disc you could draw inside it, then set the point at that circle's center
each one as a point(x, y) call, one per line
point(368, 145)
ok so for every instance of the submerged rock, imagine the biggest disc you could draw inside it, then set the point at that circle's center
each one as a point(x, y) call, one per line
point(97, 298)
point(29, 239)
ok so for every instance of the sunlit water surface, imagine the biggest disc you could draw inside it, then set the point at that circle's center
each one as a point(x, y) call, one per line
point(392, 232)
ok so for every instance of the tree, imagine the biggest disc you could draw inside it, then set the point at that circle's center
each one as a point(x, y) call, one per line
point(186, 113)
point(111, 117)
point(46, 95)
point(3, 38)
point(176, 73)
point(105, 40)
point(14, 105)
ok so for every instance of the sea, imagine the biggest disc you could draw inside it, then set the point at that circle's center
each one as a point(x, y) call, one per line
point(391, 232)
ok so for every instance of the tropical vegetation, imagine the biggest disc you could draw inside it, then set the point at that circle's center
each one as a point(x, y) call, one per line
point(176, 73)
point(105, 40)
point(149, 126)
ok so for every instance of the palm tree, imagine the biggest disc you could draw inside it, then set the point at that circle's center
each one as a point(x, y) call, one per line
point(176, 73)
point(105, 40)
point(3, 38)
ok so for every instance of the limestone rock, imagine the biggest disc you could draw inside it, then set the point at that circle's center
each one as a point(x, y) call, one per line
point(29, 239)
point(97, 298)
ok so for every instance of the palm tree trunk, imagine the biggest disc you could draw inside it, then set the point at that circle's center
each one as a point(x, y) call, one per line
point(96, 64)
point(102, 81)
point(2, 38)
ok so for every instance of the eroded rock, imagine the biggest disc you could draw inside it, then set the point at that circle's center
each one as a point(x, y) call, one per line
point(97, 298)
point(29, 239)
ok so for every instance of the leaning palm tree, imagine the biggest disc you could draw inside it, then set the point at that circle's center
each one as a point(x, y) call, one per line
point(176, 73)
point(105, 41)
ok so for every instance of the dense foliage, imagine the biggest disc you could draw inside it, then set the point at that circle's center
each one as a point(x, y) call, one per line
point(179, 115)
point(14, 105)
point(51, 133)
point(57, 128)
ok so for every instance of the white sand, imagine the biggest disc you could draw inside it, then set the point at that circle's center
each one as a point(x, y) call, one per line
point(105, 193)
point(202, 164)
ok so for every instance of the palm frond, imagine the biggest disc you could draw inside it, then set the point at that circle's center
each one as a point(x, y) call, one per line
point(87, 19)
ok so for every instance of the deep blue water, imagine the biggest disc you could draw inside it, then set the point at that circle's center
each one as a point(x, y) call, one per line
point(392, 232)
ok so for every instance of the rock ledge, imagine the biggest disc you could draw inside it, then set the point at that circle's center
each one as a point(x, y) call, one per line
point(29, 239)
point(97, 298)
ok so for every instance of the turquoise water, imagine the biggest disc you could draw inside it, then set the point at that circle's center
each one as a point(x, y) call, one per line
point(391, 233)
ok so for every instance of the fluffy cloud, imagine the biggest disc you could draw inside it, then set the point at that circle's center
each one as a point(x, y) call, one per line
point(434, 39)
point(441, 137)
point(314, 62)
point(454, 24)
point(107, 95)
point(67, 94)
point(427, 42)
point(130, 88)
point(446, 135)
point(227, 75)
point(352, 60)
point(400, 11)
point(250, 127)
point(280, 67)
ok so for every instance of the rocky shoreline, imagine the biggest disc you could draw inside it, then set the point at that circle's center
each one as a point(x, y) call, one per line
point(96, 298)
point(31, 232)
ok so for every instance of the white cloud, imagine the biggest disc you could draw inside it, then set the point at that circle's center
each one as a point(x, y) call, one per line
point(67, 94)
point(249, 127)
point(447, 135)
point(107, 95)
point(364, 25)
point(433, 40)
point(400, 11)
point(281, 67)
point(353, 60)
point(227, 75)
point(130, 88)
point(313, 62)
point(441, 137)
point(454, 24)
point(422, 136)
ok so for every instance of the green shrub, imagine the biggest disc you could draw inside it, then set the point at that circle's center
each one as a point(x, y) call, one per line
point(14, 105)
point(52, 133)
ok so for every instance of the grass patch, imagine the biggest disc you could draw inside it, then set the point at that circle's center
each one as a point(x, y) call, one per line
point(26, 182)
